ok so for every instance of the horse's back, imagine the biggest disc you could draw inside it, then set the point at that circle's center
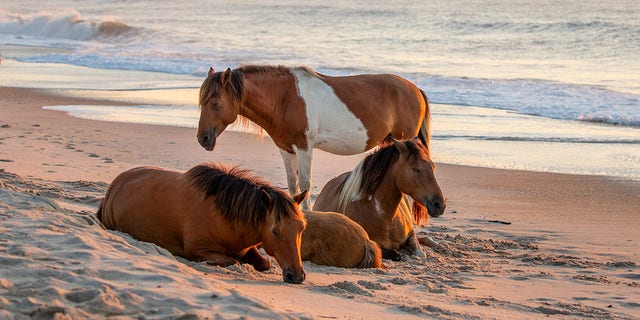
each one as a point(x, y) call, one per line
point(383, 96)
point(369, 107)
point(328, 198)
point(146, 202)
point(335, 240)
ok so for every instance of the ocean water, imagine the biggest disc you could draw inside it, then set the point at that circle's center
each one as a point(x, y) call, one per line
point(536, 85)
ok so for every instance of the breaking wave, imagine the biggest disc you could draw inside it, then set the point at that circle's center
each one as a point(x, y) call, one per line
point(68, 26)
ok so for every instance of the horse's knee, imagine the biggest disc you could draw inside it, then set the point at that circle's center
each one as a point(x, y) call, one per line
point(258, 262)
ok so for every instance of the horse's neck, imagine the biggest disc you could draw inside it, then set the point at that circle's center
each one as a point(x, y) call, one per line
point(247, 234)
point(387, 196)
point(261, 101)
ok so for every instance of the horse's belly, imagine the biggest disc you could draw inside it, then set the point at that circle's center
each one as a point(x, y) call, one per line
point(342, 143)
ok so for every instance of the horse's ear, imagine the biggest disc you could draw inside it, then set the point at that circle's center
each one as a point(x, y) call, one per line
point(400, 146)
point(226, 76)
point(267, 201)
point(388, 140)
point(299, 197)
point(211, 71)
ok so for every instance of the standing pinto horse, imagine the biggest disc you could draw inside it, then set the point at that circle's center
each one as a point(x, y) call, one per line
point(301, 109)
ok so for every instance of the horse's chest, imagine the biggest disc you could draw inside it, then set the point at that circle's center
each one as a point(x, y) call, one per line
point(332, 127)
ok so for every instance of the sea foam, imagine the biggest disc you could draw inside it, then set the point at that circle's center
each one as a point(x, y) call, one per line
point(70, 26)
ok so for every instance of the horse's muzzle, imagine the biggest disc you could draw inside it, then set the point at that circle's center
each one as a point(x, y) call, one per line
point(291, 277)
point(436, 207)
point(208, 140)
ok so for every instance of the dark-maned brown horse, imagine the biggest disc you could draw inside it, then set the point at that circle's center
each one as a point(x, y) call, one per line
point(301, 110)
point(373, 194)
point(332, 239)
point(210, 213)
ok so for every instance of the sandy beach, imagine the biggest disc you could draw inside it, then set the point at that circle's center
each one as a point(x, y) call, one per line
point(515, 244)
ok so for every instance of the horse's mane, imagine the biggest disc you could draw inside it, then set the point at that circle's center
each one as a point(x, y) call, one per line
point(212, 85)
point(366, 177)
point(238, 195)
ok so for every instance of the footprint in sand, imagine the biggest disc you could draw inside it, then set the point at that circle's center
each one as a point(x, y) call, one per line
point(93, 155)
point(371, 285)
point(348, 287)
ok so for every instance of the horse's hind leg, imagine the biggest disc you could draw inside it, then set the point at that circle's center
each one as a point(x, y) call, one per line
point(391, 255)
point(254, 258)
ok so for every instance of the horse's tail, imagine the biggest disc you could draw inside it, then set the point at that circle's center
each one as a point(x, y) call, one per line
point(425, 128)
point(372, 256)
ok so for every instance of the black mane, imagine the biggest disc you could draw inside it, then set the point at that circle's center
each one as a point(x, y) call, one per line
point(212, 86)
point(239, 195)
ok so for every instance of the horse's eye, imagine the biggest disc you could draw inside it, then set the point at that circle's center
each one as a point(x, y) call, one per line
point(274, 232)
point(416, 170)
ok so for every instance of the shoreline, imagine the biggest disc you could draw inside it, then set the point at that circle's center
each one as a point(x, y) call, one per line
point(571, 247)
point(520, 188)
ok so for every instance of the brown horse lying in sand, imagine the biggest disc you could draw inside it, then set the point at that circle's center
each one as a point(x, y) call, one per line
point(372, 194)
point(210, 213)
point(332, 239)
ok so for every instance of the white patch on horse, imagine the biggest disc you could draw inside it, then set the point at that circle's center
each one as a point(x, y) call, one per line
point(379, 210)
point(332, 126)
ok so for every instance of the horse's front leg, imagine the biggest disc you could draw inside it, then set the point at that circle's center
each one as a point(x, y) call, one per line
point(254, 258)
point(217, 259)
point(304, 170)
point(413, 246)
point(291, 168)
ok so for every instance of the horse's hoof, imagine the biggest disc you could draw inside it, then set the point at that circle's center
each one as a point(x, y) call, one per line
point(391, 255)
point(420, 254)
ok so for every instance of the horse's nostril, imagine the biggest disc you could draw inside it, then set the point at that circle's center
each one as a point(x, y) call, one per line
point(291, 277)
point(288, 277)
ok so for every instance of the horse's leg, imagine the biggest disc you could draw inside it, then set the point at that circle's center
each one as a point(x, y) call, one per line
point(412, 245)
point(304, 170)
point(429, 242)
point(254, 258)
point(291, 168)
point(218, 259)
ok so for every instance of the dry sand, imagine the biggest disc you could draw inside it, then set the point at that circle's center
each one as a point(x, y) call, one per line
point(570, 250)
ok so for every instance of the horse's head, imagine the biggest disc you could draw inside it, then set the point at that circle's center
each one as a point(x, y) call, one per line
point(282, 235)
point(220, 96)
point(415, 176)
